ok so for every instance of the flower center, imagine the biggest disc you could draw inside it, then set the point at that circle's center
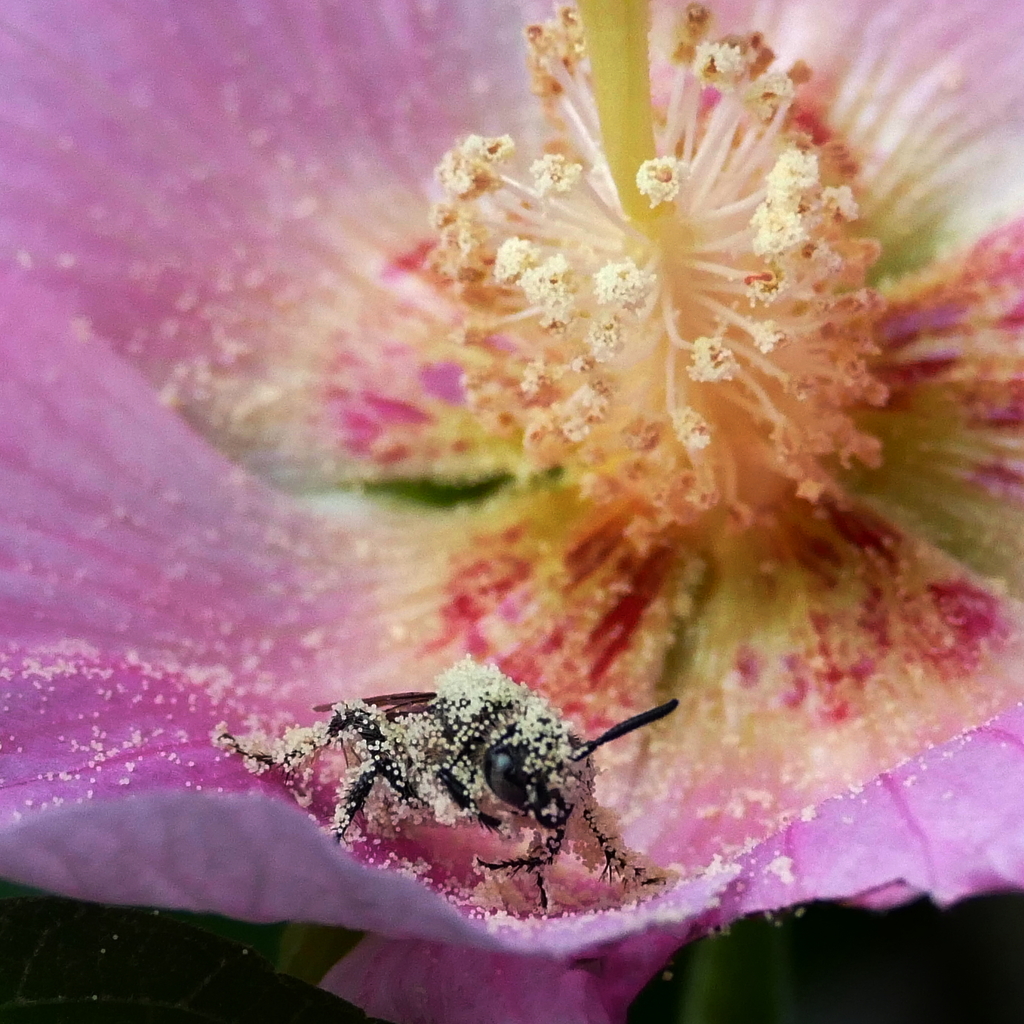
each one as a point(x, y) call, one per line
point(694, 335)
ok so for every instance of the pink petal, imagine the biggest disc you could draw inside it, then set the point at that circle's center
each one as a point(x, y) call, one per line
point(245, 856)
point(421, 983)
point(122, 530)
point(949, 823)
point(229, 193)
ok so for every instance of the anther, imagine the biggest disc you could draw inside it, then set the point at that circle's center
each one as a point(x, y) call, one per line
point(658, 179)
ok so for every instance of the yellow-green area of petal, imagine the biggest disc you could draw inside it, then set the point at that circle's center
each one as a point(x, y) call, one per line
point(941, 480)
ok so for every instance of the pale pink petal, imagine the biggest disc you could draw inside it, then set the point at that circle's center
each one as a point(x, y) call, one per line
point(244, 856)
point(148, 589)
point(949, 823)
point(232, 195)
point(122, 530)
point(421, 983)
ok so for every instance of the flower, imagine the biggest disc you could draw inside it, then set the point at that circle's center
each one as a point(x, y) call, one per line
point(752, 430)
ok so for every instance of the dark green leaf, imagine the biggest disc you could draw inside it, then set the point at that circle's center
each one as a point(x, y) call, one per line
point(309, 951)
point(740, 977)
point(63, 962)
point(438, 495)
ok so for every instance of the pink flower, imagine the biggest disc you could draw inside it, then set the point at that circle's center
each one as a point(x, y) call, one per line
point(761, 463)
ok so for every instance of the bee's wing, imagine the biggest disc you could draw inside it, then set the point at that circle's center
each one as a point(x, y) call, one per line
point(394, 703)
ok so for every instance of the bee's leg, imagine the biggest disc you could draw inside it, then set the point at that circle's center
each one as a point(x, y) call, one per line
point(367, 724)
point(356, 795)
point(489, 822)
point(390, 770)
point(283, 759)
point(541, 891)
point(458, 792)
point(352, 803)
point(540, 856)
point(231, 742)
point(614, 858)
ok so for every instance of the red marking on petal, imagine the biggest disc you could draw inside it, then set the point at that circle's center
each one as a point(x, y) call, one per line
point(748, 666)
point(359, 430)
point(811, 120)
point(593, 551)
point(1013, 319)
point(874, 619)
point(863, 669)
point(1001, 480)
point(391, 411)
point(444, 381)
point(410, 262)
point(903, 326)
point(391, 454)
point(796, 693)
point(863, 531)
point(364, 419)
point(477, 591)
point(836, 713)
point(612, 635)
point(999, 258)
point(974, 619)
point(819, 556)
point(897, 376)
point(577, 614)
point(999, 405)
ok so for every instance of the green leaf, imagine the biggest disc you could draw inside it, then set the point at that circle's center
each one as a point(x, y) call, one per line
point(740, 977)
point(436, 494)
point(309, 951)
point(63, 962)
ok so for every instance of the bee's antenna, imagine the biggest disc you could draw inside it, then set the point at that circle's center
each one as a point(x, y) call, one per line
point(644, 718)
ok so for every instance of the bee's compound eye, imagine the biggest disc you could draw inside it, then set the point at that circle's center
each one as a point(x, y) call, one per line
point(504, 776)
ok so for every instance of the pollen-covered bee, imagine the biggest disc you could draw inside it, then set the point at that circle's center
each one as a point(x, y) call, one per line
point(479, 747)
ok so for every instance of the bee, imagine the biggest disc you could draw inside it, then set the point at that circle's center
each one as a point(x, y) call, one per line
point(480, 747)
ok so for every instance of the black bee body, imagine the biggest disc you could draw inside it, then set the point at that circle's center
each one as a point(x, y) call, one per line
point(479, 747)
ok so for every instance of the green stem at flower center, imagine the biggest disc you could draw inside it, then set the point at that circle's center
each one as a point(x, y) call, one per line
point(616, 35)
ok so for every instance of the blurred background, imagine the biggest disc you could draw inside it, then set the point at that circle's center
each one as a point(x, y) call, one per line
point(829, 964)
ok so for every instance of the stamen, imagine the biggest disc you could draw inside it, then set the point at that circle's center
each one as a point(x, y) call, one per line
point(554, 173)
point(712, 361)
point(720, 64)
point(658, 179)
point(623, 284)
point(468, 170)
point(691, 428)
point(710, 291)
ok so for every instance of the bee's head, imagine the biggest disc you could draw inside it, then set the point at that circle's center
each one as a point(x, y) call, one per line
point(529, 764)
point(518, 741)
point(521, 779)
